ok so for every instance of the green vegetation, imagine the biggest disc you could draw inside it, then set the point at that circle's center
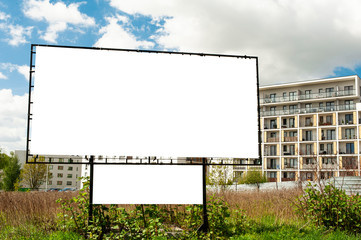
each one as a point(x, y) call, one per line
point(232, 215)
point(253, 176)
point(33, 175)
point(331, 208)
point(11, 171)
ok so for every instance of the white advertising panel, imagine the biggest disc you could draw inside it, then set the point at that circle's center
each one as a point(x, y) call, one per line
point(147, 184)
point(127, 103)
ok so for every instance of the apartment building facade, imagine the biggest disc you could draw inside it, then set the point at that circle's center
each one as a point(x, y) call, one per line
point(64, 173)
point(311, 129)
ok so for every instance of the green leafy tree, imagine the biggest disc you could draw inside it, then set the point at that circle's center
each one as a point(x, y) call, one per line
point(11, 173)
point(253, 177)
point(4, 161)
point(34, 175)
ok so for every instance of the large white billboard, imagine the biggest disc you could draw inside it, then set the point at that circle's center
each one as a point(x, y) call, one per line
point(129, 103)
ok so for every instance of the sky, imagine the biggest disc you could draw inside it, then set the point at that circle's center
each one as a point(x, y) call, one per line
point(294, 40)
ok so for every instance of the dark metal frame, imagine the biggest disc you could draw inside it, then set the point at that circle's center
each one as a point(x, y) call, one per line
point(91, 161)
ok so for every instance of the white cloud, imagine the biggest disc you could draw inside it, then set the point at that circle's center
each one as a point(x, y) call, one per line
point(22, 69)
point(4, 16)
point(18, 34)
point(2, 76)
point(13, 109)
point(294, 40)
point(58, 15)
point(115, 36)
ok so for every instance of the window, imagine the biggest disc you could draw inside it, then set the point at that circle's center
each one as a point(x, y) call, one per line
point(70, 168)
point(273, 163)
point(292, 122)
point(50, 182)
point(61, 160)
point(69, 175)
point(320, 105)
point(272, 110)
point(329, 92)
point(329, 119)
point(273, 150)
point(293, 163)
point(348, 90)
point(348, 104)
point(308, 121)
point(292, 96)
point(50, 175)
point(322, 147)
point(349, 133)
point(59, 183)
point(285, 109)
point(349, 118)
point(60, 175)
point(320, 90)
point(70, 160)
point(51, 167)
point(68, 183)
point(309, 150)
point(273, 124)
point(292, 149)
point(284, 96)
point(350, 148)
point(273, 97)
point(60, 167)
point(308, 135)
point(308, 107)
point(330, 106)
point(284, 122)
point(273, 134)
point(309, 161)
point(273, 174)
point(292, 108)
point(307, 94)
point(293, 134)
point(329, 148)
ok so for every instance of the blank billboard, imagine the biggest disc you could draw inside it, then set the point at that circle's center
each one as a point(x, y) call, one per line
point(89, 101)
point(147, 184)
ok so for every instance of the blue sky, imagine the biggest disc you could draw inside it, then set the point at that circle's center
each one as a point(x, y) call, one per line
point(294, 40)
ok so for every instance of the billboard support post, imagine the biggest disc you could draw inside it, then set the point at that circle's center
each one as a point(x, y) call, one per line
point(205, 226)
point(91, 178)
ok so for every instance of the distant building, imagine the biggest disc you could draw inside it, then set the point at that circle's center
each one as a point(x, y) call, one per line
point(62, 175)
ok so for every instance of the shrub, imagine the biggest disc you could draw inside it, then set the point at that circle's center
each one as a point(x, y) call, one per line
point(331, 207)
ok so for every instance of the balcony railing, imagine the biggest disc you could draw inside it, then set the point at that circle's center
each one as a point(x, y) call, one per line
point(341, 93)
point(289, 153)
point(344, 137)
point(308, 110)
point(273, 139)
point(290, 139)
point(288, 179)
point(270, 153)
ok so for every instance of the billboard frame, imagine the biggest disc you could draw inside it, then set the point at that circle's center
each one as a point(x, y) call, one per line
point(91, 160)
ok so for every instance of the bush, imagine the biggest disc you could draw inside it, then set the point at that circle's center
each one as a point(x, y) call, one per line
point(331, 207)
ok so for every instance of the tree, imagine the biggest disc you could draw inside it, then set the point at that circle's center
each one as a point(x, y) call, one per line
point(34, 175)
point(253, 177)
point(11, 173)
point(4, 161)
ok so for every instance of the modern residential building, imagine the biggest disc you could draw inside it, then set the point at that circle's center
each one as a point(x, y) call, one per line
point(63, 174)
point(311, 129)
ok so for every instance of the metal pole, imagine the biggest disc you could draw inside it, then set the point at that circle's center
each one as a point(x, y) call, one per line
point(91, 178)
point(205, 226)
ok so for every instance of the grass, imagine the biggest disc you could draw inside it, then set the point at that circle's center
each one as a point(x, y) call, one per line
point(33, 215)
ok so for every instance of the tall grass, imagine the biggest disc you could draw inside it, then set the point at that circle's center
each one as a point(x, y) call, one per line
point(38, 208)
point(258, 204)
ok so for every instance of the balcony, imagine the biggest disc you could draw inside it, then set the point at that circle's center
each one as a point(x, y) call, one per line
point(288, 179)
point(270, 126)
point(273, 139)
point(330, 152)
point(302, 97)
point(308, 110)
point(345, 137)
point(272, 179)
point(289, 153)
point(290, 139)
